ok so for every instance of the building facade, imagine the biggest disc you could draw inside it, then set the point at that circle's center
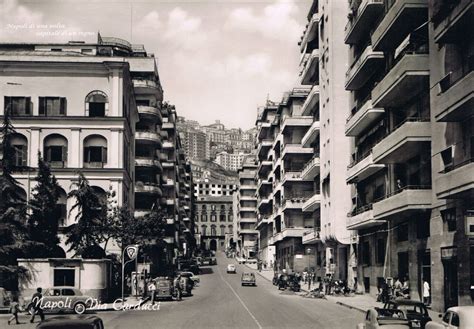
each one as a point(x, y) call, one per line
point(230, 161)
point(245, 204)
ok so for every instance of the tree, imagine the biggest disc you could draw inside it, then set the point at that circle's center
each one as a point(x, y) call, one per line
point(91, 214)
point(44, 217)
point(12, 211)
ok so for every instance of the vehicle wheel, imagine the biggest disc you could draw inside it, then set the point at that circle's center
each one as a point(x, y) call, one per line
point(79, 308)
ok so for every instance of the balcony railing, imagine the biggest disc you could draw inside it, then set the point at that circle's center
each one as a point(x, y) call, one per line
point(408, 119)
point(456, 165)
point(358, 106)
point(360, 210)
point(452, 77)
point(401, 189)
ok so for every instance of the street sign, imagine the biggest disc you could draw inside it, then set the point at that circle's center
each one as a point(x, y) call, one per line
point(132, 252)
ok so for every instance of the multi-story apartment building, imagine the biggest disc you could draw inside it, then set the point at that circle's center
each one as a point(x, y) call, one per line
point(397, 150)
point(286, 200)
point(245, 205)
point(215, 187)
point(214, 221)
point(122, 138)
point(78, 111)
point(230, 161)
point(450, 245)
point(195, 143)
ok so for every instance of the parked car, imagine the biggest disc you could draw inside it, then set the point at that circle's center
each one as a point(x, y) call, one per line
point(231, 268)
point(213, 261)
point(248, 279)
point(83, 322)
point(63, 299)
point(164, 288)
point(206, 261)
point(187, 285)
point(191, 276)
point(251, 261)
point(458, 317)
point(384, 319)
point(240, 260)
point(415, 311)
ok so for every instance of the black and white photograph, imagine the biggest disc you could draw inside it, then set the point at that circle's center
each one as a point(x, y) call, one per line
point(261, 164)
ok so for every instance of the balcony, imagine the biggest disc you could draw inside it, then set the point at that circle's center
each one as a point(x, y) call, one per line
point(148, 137)
point(405, 80)
point(363, 68)
point(362, 218)
point(247, 231)
point(263, 128)
point(168, 182)
point(146, 86)
point(359, 26)
point(311, 103)
point(264, 168)
point(311, 169)
point(248, 187)
point(451, 19)
point(310, 72)
point(168, 125)
point(262, 183)
point(247, 198)
point(408, 200)
point(294, 203)
point(456, 100)
point(248, 220)
point(168, 145)
point(311, 236)
point(292, 232)
point(150, 112)
point(248, 209)
point(313, 203)
point(404, 142)
point(148, 162)
point(311, 31)
point(401, 18)
point(148, 188)
point(311, 134)
point(296, 122)
point(362, 168)
point(457, 182)
point(362, 118)
point(263, 147)
point(277, 237)
point(295, 149)
point(292, 176)
point(141, 212)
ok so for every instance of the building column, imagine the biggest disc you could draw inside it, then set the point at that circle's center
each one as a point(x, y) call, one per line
point(75, 149)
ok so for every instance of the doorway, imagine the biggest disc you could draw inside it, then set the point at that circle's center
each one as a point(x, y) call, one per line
point(450, 282)
point(213, 245)
point(403, 270)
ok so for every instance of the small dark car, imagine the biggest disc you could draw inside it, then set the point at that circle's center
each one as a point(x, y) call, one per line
point(164, 288)
point(82, 322)
point(415, 311)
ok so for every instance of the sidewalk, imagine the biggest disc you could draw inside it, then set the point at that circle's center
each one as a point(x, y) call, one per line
point(361, 303)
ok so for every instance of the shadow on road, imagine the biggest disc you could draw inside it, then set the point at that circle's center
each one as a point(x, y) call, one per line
point(206, 270)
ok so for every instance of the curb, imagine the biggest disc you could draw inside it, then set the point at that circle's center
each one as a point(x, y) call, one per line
point(351, 307)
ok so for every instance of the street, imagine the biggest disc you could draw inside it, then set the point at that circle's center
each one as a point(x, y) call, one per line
point(220, 301)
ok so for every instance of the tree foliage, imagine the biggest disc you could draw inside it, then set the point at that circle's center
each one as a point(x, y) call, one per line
point(12, 209)
point(45, 215)
point(91, 214)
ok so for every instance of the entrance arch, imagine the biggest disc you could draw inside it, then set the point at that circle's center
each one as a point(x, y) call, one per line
point(213, 245)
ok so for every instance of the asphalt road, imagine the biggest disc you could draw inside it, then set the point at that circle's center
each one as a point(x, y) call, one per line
point(221, 302)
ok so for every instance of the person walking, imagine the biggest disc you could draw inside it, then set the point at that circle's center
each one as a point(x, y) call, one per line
point(177, 287)
point(152, 291)
point(36, 300)
point(14, 310)
point(426, 292)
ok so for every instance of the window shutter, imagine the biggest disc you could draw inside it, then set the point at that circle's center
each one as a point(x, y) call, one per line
point(63, 106)
point(28, 106)
point(86, 153)
point(64, 153)
point(104, 155)
point(24, 158)
point(41, 106)
point(48, 153)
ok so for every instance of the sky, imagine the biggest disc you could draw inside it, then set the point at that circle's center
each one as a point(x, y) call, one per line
point(217, 59)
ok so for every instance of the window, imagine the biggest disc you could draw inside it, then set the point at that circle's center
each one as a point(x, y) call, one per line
point(64, 277)
point(18, 106)
point(213, 207)
point(231, 229)
point(60, 212)
point(213, 218)
point(230, 218)
point(366, 253)
point(222, 230)
point(95, 151)
point(380, 251)
point(20, 145)
point(55, 151)
point(423, 228)
point(68, 292)
point(449, 218)
point(97, 104)
point(52, 106)
point(447, 157)
point(204, 230)
point(203, 218)
point(402, 232)
point(213, 230)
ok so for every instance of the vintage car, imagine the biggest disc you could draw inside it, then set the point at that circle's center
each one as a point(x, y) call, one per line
point(248, 279)
point(164, 288)
point(415, 311)
point(83, 322)
point(191, 276)
point(240, 260)
point(384, 319)
point(62, 299)
point(458, 317)
point(231, 268)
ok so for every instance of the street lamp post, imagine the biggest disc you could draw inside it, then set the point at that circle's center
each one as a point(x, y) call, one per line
point(309, 273)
